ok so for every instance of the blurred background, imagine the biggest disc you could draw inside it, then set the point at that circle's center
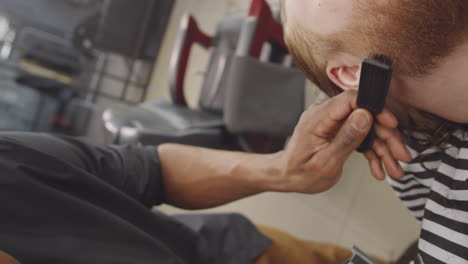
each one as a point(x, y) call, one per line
point(212, 73)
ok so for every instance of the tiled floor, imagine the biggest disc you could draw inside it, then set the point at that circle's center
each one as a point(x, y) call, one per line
point(358, 211)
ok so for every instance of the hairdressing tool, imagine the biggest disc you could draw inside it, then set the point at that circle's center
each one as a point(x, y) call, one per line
point(376, 75)
point(360, 258)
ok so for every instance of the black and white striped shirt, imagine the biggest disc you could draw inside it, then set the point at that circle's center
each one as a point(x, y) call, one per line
point(436, 191)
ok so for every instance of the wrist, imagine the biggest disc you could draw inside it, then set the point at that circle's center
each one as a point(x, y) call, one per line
point(267, 172)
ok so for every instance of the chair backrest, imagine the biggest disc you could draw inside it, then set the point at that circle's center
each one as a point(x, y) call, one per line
point(223, 47)
point(263, 97)
point(189, 34)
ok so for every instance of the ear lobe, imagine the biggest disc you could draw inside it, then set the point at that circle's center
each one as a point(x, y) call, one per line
point(346, 77)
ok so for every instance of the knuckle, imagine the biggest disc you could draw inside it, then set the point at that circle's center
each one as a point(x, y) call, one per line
point(379, 149)
point(309, 114)
point(302, 119)
point(350, 94)
point(312, 108)
point(387, 133)
point(370, 155)
point(328, 103)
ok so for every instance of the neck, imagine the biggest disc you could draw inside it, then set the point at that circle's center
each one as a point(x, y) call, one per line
point(443, 92)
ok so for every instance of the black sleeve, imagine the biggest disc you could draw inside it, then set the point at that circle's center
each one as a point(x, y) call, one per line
point(133, 169)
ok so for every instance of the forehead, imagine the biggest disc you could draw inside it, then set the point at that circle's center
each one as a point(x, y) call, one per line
point(319, 16)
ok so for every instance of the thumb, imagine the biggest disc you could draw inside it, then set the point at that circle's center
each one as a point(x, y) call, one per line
point(350, 136)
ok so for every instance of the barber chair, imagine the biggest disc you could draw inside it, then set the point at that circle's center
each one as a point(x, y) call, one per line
point(264, 93)
point(162, 122)
point(241, 107)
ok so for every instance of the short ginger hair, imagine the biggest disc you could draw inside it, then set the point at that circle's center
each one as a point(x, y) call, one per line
point(310, 52)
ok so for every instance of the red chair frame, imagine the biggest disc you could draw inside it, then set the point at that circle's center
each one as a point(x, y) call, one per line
point(267, 28)
point(189, 34)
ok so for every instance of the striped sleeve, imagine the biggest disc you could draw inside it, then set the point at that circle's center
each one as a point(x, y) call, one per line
point(435, 190)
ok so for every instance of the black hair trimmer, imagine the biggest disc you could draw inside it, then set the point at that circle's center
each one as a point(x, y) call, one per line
point(376, 75)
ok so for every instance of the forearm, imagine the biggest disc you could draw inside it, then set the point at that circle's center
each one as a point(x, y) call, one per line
point(312, 162)
point(198, 178)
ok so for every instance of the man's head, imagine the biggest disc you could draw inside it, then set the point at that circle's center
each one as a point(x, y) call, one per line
point(425, 38)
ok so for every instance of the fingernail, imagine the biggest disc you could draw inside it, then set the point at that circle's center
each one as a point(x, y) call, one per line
point(360, 120)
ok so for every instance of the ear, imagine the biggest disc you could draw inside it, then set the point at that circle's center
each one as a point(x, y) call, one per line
point(344, 70)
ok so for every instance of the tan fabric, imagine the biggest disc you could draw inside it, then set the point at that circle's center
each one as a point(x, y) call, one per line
point(287, 249)
point(6, 259)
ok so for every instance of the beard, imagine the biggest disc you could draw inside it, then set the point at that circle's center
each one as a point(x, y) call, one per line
point(416, 34)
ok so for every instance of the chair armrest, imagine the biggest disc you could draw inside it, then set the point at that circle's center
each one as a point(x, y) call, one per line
point(188, 35)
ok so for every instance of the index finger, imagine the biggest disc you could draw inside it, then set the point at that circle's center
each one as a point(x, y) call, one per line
point(345, 103)
point(331, 114)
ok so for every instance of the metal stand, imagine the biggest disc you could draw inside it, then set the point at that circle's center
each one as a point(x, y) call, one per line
point(360, 258)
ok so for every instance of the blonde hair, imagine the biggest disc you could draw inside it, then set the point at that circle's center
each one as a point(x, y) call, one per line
point(310, 52)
